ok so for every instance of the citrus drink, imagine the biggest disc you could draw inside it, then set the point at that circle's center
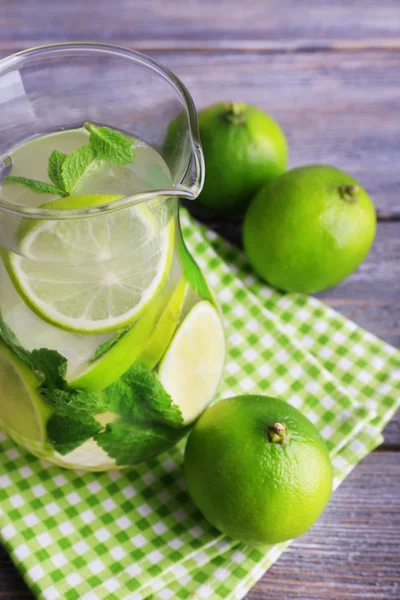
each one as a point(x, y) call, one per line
point(106, 322)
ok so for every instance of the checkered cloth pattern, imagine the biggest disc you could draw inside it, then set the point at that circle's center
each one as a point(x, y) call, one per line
point(137, 535)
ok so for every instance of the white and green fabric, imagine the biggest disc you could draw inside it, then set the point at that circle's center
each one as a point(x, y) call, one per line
point(137, 535)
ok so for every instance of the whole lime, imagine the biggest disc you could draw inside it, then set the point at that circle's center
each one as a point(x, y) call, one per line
point(243, 148)
point(310, 229)
point(257, 469)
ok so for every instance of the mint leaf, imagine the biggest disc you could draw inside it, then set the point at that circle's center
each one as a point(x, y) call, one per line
point(75, 403)
point(111, 145)
point(130, 443)
point(78, 164)
point(37, 186)
point(56, 162)
point(67, 433)
point(106, 346)
point(53, 367)
point(11, 341)
point(139, 396)
point(193, 274)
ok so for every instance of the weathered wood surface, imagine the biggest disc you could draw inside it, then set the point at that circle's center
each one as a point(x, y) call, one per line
point(329, 72)
point(338, 108)
point(371, 296)
point(148, 24)
point(352, 552)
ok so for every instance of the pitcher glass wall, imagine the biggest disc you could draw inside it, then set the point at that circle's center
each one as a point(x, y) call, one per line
point(111, 343)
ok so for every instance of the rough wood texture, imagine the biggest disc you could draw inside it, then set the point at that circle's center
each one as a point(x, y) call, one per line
point(329, 73)
point(336, 108)
point(374, 306)
point(147, 24)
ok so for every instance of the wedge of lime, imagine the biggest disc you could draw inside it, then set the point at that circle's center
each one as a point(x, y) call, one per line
point(164, 329)
point(192, 366)
point(23, 413)
point(109, 367)
point(92, 275)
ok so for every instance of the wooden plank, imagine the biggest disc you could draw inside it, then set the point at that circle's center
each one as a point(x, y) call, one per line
point(339, 108)
point(355, 541)
point(353, 550)
point(374, 306)
point(336, 108)
point(147, 24)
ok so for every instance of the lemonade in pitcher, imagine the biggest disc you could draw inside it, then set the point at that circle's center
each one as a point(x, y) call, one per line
point(111, 343)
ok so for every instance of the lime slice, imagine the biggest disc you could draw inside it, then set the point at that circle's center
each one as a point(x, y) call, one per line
point(164, 329)
point(101, 373)
point(23, 413)
point(97, 280)
point(192, 366)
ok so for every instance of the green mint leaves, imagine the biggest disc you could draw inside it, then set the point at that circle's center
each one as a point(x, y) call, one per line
point(66, 172)
point(149, 422)
point(140, 397)
point(106, 346)
point(77, 165)
point(146, 419)
point(56, 162)
point(110, 145)
point(130, 443)
point(40, 187)
point(67, 433)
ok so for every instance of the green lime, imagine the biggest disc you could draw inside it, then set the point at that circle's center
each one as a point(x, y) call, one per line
point(104, 283)
point(310, 229)
point(244, 149)
point(98, 374)
point(191, 368)
point(257, 469)
point(164, 329)
point(23, 413)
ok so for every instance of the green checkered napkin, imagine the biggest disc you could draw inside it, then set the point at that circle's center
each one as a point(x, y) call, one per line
point(137, 535)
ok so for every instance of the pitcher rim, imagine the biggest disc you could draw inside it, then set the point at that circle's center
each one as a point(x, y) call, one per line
point(18, 58)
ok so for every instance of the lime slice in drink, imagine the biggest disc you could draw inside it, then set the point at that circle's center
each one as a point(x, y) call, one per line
point(164, 329)
point(23, 413)
point(98, 374)
point(192, 366)
point(92, 275)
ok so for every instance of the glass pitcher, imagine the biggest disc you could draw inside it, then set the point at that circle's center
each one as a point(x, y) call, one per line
point(111, 343)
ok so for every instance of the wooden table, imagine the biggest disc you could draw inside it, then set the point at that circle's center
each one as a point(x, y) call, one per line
point(329, 72)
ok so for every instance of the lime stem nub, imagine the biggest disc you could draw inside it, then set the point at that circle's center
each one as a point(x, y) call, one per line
point(349, 193)
point(235, 114)
point(278, 433)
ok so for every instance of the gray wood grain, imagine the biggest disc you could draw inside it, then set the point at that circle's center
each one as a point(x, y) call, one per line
point(352, 552)
point(338, 105)
point(336, 108)
point(371, 295)
point(259, 24)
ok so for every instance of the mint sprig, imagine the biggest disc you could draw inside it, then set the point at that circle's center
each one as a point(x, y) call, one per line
point(110, 145)
point(131, 443)
point(66, 172)
point(139, 396)
point(147, 420)
point(41, 187)
point(56, 162)
point(77, 165)
point(67, 433)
